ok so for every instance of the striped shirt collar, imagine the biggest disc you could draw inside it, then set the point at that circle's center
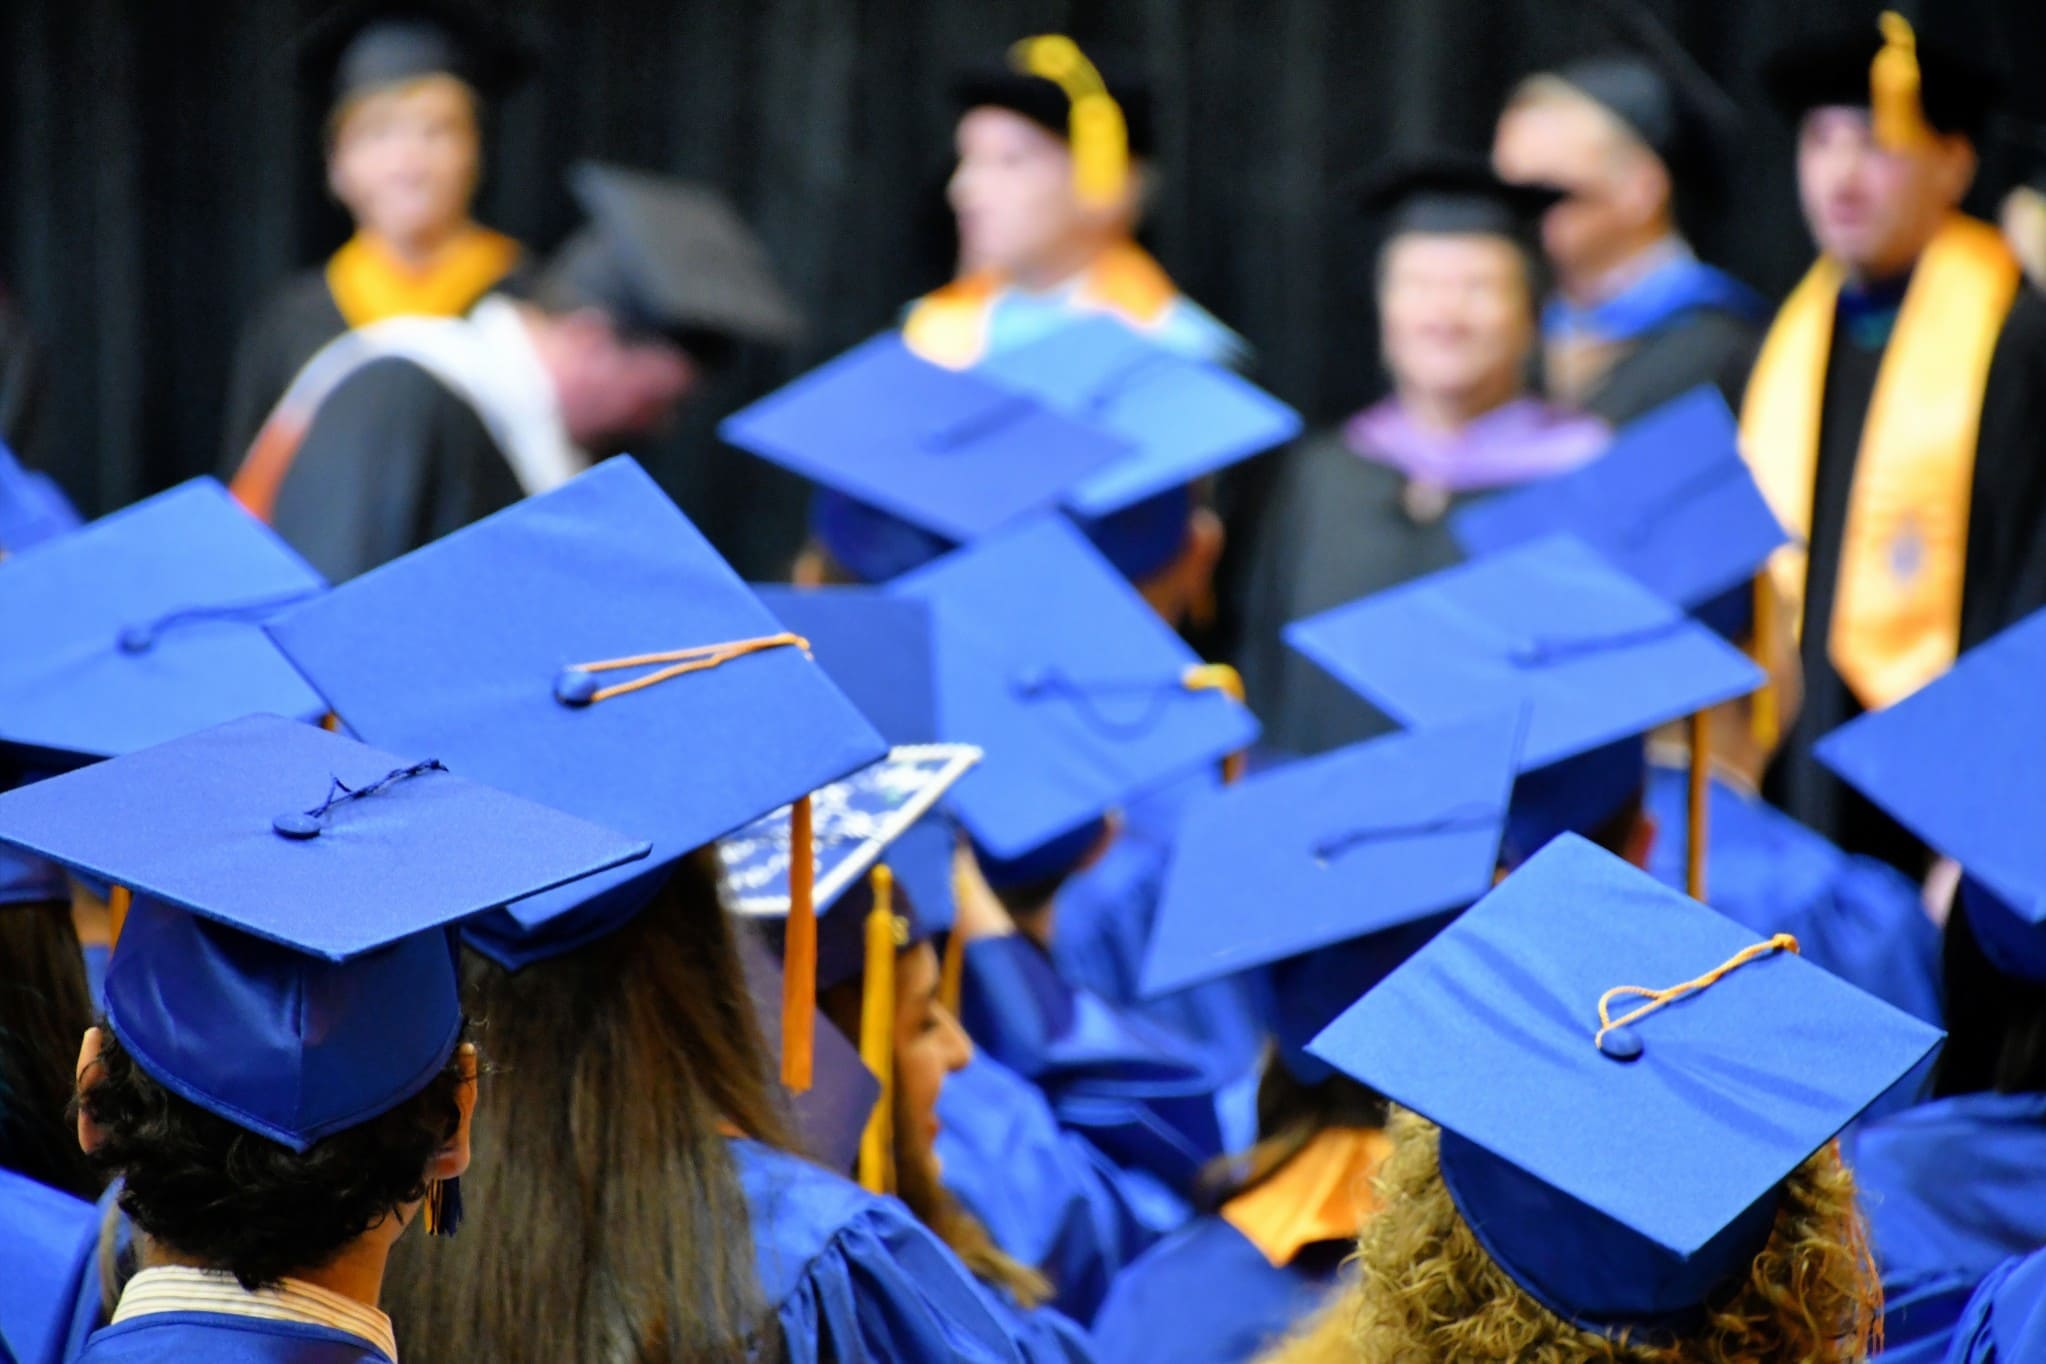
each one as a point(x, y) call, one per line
point(181, 1288)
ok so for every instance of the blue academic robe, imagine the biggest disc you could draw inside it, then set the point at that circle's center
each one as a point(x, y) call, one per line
point(46, 1251)
point(219, 1339)
point(1952, 1188)
point(852, 1276)
point(1041, 1335)
point(2005, 1321)
point(1048, 1196)
point(1206, 1295)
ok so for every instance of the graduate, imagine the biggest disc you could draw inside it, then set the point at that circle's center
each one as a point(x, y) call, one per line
point(881, 854)
point(639, 1119)
point(400, 432)
point(1955, 1185)
point(1672, 505)
point(1893, 415)
point(2004, 1322)
point(406, 84)
point(1353, 859)
point(1710, 1220)
point(1361, 507)
point(1632, 133)
point(274, 1137)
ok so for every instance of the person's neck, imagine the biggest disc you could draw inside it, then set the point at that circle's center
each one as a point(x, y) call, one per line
point(1445, 412)
point(1065, 261)
point(418, 251)
point(1620, 270)
point(356, 1273)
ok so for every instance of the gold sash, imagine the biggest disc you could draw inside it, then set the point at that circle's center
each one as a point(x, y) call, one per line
point(949, 326)
point(1322, 1194)
point(369, 284)
point(1897, 607)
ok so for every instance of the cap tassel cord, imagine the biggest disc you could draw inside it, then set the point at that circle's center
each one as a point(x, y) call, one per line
point(1096, 126)
point(877, 1032)
point(1659, 999)
point(799, 954)
point(1453, 821)
point(139, 639)
point(702, 658)
point(1225, 679)
point(1896, 86)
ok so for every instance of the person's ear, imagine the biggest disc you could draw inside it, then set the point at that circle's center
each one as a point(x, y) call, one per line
point(1641, 840)
point(453, 1159)
point(1954, 167)
point(89, 1134)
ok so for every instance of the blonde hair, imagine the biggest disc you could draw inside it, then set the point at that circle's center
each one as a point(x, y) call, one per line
point(1426, 1290)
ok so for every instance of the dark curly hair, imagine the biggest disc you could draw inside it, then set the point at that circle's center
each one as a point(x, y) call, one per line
point(233, 1200)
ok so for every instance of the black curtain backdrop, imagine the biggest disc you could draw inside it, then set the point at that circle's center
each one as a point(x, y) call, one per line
point(159, 170)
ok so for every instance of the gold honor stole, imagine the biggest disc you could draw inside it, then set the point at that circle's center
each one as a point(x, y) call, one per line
point(1897, 606)
point(949, 326)
point(1324, 1193)
point(370, 285)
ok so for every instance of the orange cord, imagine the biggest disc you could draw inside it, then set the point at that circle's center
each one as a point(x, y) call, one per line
point(1782, 942)
point(699, 659)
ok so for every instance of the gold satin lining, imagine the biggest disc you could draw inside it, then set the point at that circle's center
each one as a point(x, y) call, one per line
point(1322, 1194)
point(369, 284)
point(1897, 608)
point(949, 326)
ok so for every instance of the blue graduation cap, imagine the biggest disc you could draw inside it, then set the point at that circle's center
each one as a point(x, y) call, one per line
point(32, 507)
point(1333, 869)
point(1596, 659)
point(1671, 504)
point(1956, 762)
point(283, 877)
point(1622, 1176)
point(875, 645)
point(144, 626)
point(1079, 694)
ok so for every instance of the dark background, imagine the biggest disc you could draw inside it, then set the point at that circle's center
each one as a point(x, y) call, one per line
point(160, 170)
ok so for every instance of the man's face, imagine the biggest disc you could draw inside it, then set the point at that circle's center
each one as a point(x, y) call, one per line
point(1571, 144)
point(1012, 193)
point(405, 160)
point(1454, 313)
point(1871, 209)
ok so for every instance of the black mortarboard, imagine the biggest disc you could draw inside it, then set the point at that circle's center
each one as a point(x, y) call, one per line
point(1655, 87)
point(1453, 193)
point(359, 45)
point(663, 255)
point(1960, 80)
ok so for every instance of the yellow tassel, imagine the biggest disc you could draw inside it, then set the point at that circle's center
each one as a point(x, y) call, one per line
point(1096, 127)
point(1896, 88)
point(799, 955)
point(1225, 679)
point(877, 1033)
point(1765, 719)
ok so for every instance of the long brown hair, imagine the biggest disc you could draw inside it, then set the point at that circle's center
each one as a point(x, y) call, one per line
point(45, 1008)
point(606, 1221)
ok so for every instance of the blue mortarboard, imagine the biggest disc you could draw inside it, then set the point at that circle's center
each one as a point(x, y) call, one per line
point(1327, 861)
point(1671, 504)
point(144, 626)
point(481, 645)
point(1596, 659)
point(1079, 694)
point(32, 507)
point(875, 645)
point(1623, 1183)
point(1957, 764)
point(284, 878)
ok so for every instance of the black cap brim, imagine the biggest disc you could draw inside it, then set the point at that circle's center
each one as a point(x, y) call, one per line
point(360, 45)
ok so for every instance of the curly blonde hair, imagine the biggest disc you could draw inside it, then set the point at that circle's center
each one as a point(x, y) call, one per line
point(1426, 1290)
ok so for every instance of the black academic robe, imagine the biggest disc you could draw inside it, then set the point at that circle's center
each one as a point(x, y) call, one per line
point(1335, 528)
point(287, 329)
point(392, 460)
point(1705, 346)
point(2005, 565)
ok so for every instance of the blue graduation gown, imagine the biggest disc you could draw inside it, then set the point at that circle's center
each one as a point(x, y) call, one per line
point(218, 1339)
point(47, 1242)
point(2005, 1321)
point(1206, 1295)
point(1042, 1335)
point(1952, 1188)
point(855, 1277)
point(1048, 1196)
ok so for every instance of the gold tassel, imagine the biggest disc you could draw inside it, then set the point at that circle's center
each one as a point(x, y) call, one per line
point(1765, 718)
point(799, 954)
point(1700, 803)
point(1096, 128)
point(877, 1033)
point(1896, 88)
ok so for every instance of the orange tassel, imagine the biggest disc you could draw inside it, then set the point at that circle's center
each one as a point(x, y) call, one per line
point(799, 954)
point(118, 900)
point(1700, 804)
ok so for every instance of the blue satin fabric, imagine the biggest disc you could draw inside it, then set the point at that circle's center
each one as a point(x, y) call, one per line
point(1048, 1196)
point(1661, 297)
point(852, 1276)
point(1041, 1335)
point(219, 1339)
point(1132, 1089)
point(2005, 1321)
point(1856, 917)
point(46, 1248)
point(1952, 1188)
point(1205, 1295)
